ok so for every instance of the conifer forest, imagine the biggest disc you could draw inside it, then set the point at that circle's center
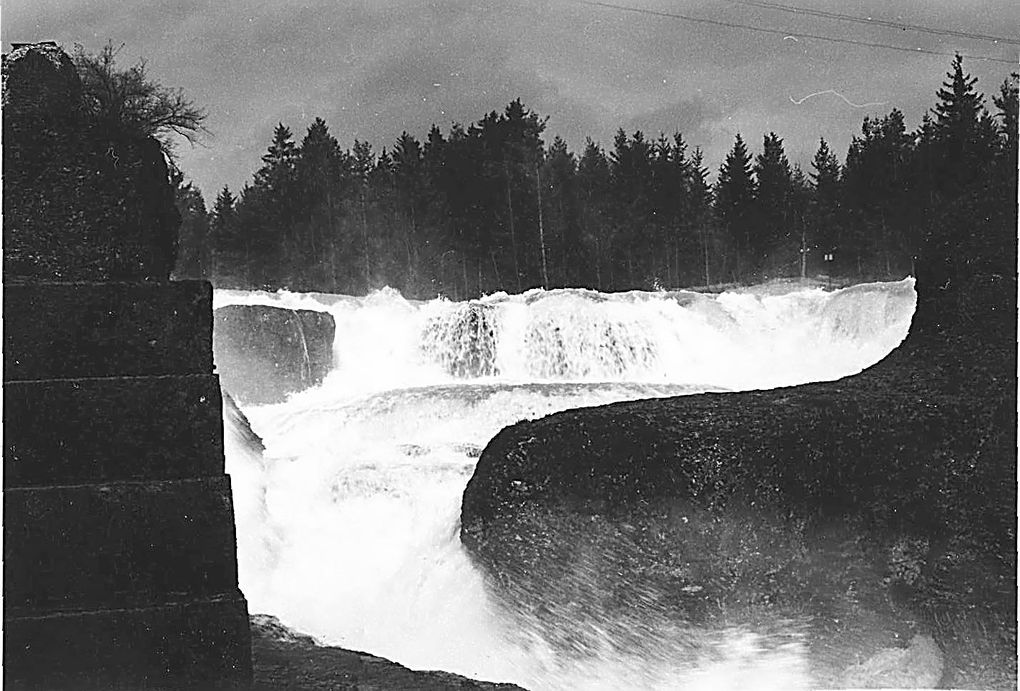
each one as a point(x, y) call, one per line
point(493, 206)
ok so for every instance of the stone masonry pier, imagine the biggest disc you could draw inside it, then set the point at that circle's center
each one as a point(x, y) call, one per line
point(119, 547)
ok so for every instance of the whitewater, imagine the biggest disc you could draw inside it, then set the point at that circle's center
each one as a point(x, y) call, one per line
point(348, 523)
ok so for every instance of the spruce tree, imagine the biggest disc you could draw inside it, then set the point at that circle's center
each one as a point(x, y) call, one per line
point(969, 242)
point(631, 169)
point(278, 163)
point(439, 253)
point(318, 176)
point(824, 209)
point(567, 261)
point(670, 240)
point(229, 251)
point(223, 209)
point(797, 224)
point(1007, 104)
point(825, 176)
point(881, 198)
point(409, 189)
point(267, 213)
point(734, 201)
point(593, 180)
point(519, 131)
point(699, 217)
point(965, 135)
point(772, 202)
point(362, 161)
point(194, 256)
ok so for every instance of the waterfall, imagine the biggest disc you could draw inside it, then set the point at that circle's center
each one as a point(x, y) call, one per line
point(350, 524)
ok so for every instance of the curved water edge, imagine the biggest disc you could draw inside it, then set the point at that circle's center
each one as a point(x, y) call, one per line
point(347, 525)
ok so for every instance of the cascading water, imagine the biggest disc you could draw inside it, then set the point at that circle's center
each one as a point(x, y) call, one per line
point(348, 526)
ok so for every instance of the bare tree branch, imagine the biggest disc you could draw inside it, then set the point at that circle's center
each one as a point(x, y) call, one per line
point(129, 98)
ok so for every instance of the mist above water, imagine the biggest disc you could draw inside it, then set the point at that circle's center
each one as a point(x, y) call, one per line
point(348, 524)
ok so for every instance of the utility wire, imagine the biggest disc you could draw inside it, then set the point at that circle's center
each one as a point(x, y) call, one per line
point(783, 33)
point(878, 22)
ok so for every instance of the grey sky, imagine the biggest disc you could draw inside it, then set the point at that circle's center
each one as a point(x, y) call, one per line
point(373, 68)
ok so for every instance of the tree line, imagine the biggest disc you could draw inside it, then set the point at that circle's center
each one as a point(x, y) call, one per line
point(491, 207)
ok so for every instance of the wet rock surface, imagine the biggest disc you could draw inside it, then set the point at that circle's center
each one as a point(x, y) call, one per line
point(858, 514)
point(264, 353)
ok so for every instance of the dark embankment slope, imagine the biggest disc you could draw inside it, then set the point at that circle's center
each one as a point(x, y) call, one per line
point(264, 353)
point(867, 510)
point(284, 659)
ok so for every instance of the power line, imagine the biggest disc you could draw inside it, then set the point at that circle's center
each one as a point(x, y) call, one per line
point(878, 22)
point(783, 33)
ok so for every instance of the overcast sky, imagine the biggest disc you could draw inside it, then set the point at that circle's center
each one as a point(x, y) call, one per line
point(373, 68)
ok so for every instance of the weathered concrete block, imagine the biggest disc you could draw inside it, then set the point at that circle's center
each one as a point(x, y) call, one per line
point(68, 431)
point(86, 198)
point(204, 644)
point(117, 545)
point(64, 331)
point(41, 84)
point(264, 353)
